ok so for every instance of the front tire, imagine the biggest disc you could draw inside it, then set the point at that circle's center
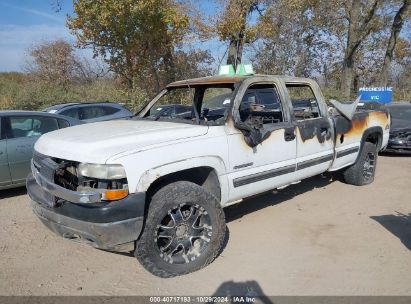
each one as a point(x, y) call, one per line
point(363, 171)
point(184, 230)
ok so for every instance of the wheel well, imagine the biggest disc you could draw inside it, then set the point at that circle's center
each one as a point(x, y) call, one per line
point(203, 176)
point(375, 138)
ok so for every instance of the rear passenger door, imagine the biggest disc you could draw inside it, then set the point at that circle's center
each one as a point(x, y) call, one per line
point(5, 178)
point(315, 143)
point(22, 133)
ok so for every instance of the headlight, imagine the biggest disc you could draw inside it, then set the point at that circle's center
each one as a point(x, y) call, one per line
point(102, 171)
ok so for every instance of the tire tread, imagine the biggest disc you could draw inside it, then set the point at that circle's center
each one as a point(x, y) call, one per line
point(175, 190)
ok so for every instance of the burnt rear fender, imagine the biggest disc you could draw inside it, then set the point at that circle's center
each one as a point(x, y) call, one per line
point(373, 132)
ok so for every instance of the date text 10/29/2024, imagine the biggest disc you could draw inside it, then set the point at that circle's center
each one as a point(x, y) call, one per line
point(203, 299)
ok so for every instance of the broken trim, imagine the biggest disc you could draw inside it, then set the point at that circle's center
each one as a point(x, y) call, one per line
point(347, 152)
point(346, 109)
point(243, 166)
point(315, 161)
point(253, 178)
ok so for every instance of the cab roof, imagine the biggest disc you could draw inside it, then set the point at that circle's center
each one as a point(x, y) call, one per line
point(232, 79)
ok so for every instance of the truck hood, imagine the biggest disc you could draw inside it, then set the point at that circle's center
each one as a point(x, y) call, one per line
point(97, 142)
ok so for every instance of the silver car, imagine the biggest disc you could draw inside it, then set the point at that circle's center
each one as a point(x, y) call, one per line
point(19, 130)
point(91, 112)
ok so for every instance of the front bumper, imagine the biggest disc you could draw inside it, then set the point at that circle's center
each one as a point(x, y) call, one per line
point(111, 226)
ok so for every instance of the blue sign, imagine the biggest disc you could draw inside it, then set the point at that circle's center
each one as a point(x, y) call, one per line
point(379, 94)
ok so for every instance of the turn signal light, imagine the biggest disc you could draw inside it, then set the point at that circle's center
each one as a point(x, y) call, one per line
point(114, 195)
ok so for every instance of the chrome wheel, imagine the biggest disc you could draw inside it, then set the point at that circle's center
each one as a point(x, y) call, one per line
point(369, 166)
point(183, 234)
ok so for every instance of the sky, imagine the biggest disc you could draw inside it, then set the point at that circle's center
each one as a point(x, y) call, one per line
point(26, 22)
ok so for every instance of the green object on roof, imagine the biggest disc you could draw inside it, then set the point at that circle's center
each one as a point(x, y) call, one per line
point(242, 69)
point(227, 69)
point(245, 69)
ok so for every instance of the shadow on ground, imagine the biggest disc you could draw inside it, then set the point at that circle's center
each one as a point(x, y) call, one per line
point(248, 290)
point(398, 224)
point(392, 154)
point(12, 192)
point(275, 197)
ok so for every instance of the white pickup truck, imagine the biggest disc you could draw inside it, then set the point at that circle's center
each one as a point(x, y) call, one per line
point(157, 184)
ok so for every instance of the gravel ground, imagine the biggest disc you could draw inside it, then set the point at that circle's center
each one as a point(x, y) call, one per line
point(319, 237)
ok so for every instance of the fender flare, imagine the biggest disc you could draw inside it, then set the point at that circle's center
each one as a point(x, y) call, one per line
point(214, 162)
point(366, 133)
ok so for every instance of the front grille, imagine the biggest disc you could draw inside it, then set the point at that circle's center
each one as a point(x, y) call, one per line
point(65, 178)
point(46, 167)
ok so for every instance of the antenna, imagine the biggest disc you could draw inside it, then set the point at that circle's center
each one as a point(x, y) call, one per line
point(236, 53)
point(219, 63)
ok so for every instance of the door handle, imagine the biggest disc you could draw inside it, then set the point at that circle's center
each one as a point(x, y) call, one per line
point(324, 131)
point(289, 135)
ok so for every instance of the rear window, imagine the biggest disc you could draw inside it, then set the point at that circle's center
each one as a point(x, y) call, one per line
point(110, 110)
point(63, 123)
point(305, 104)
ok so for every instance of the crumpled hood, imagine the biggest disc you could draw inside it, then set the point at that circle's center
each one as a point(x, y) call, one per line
point(97, 142)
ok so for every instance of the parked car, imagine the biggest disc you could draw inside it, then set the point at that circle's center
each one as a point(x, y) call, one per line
point(19, 130)
point(91, 112)
point(157, 186)
point(400, 133)
point(171, 110)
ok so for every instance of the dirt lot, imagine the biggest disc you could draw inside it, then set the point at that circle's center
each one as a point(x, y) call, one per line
point(320, 237)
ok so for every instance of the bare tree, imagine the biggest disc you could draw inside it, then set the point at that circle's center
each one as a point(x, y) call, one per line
point(54, 62)
point(392, 42)
point(360, 24)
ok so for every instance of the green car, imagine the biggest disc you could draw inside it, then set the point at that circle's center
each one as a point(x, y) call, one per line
point(19, 130)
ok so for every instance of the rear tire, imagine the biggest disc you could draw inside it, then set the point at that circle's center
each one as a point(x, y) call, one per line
point(363, 171)
point(184, 230)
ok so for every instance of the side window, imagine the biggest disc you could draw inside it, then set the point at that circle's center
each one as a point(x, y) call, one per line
point(110, 110)
point(63, 123)
point(73, 113)
point(174, 96)
point(183, 109)
point(261, 103)
point(31, 126)
point(90, 112)
point(305, 105)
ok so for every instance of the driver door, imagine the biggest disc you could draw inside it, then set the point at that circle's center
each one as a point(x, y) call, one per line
point(271, 163)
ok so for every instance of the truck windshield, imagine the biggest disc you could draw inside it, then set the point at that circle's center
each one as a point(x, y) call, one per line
point(181, 103)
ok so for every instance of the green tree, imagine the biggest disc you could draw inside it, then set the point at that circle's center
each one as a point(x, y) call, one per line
point(233, 26)
point(288, 39)
point(137, 38)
